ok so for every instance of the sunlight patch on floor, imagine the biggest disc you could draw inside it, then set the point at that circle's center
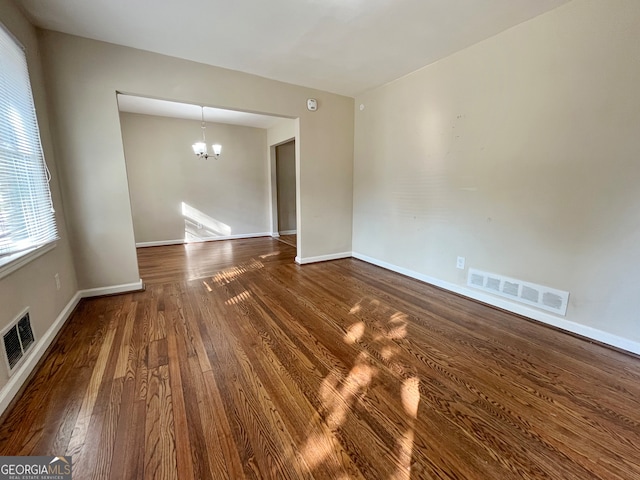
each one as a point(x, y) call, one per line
point(241, 297)
point(354, 333)
point(398, 326)
point(387, 352)
point(227, 275)
point(410, 394)
point(378, 341)
point(338, 396)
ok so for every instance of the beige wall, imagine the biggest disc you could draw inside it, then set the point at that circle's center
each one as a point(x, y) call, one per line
point(286, 178)
point(281, 132)
point(222, 197)
point(33, 285)
point(519, 153)
point(84, 76)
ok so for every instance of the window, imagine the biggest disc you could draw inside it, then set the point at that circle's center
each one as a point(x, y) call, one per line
point(27, 219)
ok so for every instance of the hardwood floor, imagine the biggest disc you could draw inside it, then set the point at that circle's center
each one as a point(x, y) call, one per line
point(289, 239)
point(237, 363)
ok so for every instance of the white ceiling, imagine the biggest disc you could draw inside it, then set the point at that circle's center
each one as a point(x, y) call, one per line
point(164, 108)
point(341, 46)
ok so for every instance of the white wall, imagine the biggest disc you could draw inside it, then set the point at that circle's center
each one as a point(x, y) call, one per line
point(33, 285)
point(177, 196)
point(84, 76)
point(519, 153)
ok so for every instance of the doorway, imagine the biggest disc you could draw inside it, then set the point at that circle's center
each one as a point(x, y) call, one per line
point(286, 192)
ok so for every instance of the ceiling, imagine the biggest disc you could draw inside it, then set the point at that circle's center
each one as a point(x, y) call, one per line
point(164, 108)
point(341, 46)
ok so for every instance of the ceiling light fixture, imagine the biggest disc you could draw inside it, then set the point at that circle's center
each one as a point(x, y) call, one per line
point(200, 148)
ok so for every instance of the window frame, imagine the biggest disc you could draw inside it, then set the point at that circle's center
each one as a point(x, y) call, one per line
point(11, 262)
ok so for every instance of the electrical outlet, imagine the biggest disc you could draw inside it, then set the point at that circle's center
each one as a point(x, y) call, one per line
point(57, 277)
point(460, 263)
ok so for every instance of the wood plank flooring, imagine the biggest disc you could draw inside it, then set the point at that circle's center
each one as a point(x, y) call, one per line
point(236, 363)
point(289, 239)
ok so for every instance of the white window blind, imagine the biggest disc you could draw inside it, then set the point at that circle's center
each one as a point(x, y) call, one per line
point(27, 219)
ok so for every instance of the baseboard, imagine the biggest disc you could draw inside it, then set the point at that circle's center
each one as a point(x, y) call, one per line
point(288, 232)
point(561, 323)
point(204, 239)
point(275, 235)
point(232, 237)
point(97, 292)
point(160, 243)
point(322, 258)
point(17, 380)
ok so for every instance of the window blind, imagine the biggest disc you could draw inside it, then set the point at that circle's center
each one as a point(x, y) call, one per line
point(27, 219)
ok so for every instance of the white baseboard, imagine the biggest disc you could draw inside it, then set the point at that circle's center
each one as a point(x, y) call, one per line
point(161, 243)
point(182, 241)
point(231, 237)
point(97, 292)
point(323, 258)
point(17, 380)
point(275, 235)
point(288, 232)
point(561, 323)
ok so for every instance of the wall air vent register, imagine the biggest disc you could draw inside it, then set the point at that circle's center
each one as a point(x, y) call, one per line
point(546, 298)
point(17, 340)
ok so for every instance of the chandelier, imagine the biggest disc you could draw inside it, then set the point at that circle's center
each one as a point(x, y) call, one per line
point(200, 148)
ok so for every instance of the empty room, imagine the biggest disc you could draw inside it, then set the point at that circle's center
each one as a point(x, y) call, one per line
point(385, 239)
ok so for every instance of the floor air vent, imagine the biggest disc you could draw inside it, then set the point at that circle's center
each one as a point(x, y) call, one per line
point(539, 296)
point(17, 340)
